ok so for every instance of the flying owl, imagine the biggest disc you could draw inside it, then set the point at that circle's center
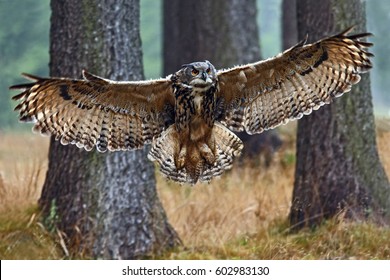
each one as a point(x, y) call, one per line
point(188, 117)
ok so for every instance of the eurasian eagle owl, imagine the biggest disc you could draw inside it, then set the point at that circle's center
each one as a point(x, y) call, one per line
point(188, 116)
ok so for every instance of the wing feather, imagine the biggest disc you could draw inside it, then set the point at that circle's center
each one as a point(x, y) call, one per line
point(265, 94)
point(95, 111)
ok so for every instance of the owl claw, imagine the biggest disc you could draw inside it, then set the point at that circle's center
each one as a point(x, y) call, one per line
point(207, 153)
point(180, 161)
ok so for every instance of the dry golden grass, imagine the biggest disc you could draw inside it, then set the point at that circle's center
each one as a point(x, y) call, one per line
point(23, 164)
point(240, 202)
point(242, 215)
point(383, 141)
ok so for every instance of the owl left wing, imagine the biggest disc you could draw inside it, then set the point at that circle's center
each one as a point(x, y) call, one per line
point(97, 112)
point(263, 95)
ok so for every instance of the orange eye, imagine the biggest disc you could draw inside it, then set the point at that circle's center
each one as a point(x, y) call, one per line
point(208, 71)
point(194, 72)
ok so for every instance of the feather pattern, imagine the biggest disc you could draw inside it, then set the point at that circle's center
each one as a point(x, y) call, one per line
point(97, 112)
point(265, 94)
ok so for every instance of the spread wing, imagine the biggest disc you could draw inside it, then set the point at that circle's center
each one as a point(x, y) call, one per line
point(96, 111)
point(263, 95)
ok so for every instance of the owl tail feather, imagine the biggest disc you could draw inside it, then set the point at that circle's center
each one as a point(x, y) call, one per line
point(195, 166)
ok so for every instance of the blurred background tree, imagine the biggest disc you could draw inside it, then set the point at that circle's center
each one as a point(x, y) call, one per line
point(217, 37)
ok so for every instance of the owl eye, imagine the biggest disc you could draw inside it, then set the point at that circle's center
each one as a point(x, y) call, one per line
point(194, 72)
point(208, 71)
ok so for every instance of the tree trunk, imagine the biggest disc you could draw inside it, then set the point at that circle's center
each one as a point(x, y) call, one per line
point(209, 30)
point(224, 32)
point(338, 168)
point(106, 204)
point(289, 24)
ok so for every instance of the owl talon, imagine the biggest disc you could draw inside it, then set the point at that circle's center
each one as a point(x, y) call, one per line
point(180, 161)
point(207, 154)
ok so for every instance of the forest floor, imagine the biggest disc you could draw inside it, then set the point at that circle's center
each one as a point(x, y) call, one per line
point(242, 215)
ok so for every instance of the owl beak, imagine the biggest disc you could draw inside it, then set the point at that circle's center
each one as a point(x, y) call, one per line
point(204, 76)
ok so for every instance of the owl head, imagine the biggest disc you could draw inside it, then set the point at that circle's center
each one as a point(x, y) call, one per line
point(197, 74)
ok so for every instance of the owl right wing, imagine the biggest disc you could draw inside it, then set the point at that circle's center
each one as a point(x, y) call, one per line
point(265, 94)
point(97, 112)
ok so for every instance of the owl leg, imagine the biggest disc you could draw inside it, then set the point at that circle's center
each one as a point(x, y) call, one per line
point(207, 149)
point(180, 159)
point(207, 153)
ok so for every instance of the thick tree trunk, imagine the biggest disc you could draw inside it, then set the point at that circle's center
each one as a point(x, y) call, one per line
point(338, 168)
point(224, 32)
point(289, 24)
point(212, 30)
point(106, 204)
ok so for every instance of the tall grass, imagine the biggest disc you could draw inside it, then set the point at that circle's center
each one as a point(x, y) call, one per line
point(23, 164)
point(241, 215)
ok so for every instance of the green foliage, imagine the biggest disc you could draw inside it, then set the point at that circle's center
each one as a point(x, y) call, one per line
point(24, 45)
point(378, 13)
point(151, 36)
point(269, 16)
point(52, 219)
point(289, 159)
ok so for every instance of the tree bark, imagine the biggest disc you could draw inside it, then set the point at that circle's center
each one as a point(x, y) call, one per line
point(289, 24)
point(106, 204)
point(210, 30)
point(225, 32)
point(338, 169)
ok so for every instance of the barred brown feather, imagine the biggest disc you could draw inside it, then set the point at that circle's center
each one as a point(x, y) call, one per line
point(96, 112)
point(163, 150)
point(268, 93)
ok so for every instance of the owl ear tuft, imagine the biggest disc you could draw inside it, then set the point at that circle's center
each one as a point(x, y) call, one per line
point(185, 65)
